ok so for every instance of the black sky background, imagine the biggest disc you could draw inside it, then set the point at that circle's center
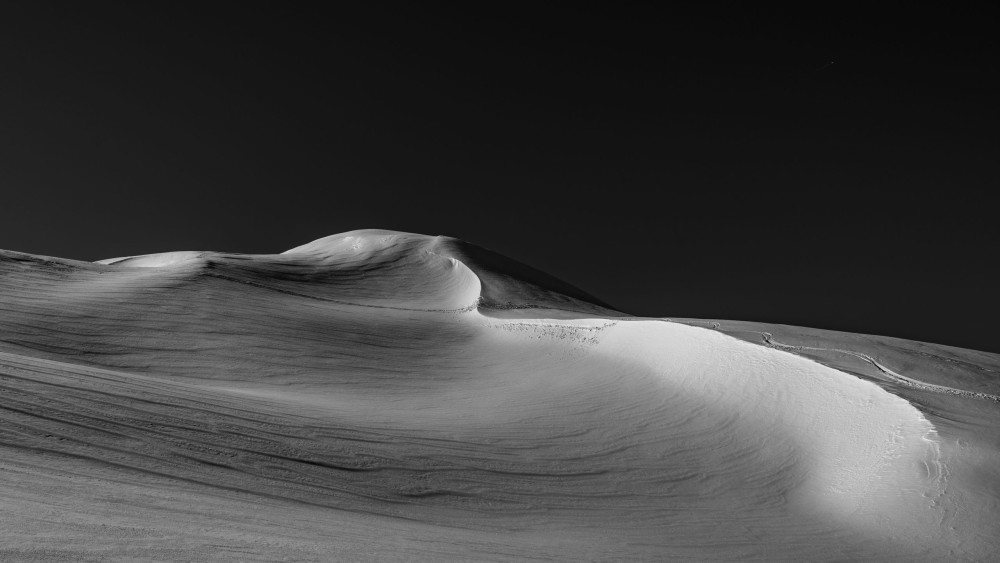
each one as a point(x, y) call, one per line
point(829, 168)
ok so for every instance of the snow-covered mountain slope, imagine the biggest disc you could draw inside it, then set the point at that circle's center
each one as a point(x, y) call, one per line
point(382, 395)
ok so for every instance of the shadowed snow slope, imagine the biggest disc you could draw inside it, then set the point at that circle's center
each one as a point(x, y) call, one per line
point(384, 395)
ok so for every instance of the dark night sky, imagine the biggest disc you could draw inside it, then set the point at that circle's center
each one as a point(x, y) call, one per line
point(698, 160)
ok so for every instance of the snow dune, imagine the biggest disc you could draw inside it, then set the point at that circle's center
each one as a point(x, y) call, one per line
point(383, 395)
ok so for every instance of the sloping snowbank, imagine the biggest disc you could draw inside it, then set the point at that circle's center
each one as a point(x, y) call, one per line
point(223, 406)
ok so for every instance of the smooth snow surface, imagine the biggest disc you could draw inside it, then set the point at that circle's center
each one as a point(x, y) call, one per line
point(388, 396)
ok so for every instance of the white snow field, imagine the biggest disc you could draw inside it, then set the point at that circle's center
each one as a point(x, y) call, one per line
point(380, 396)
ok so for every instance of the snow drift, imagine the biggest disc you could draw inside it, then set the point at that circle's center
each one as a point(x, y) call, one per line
point(383, 395)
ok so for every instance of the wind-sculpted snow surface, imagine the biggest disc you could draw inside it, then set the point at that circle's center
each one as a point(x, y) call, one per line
point(387, 396)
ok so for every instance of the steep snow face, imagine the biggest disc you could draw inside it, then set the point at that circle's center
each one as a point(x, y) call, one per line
point(397, 270)
point(503, 283)
point(161, 260)
point(373, 395)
